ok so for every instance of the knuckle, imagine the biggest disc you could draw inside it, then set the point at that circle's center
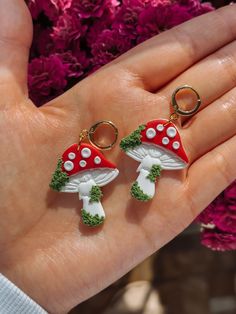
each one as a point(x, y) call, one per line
point(227, 24)
point(187, 42)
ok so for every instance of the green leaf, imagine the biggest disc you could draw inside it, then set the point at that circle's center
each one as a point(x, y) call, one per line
point(59, 178)
point(91, 221)
point(154, 173)
point(132, 140)
point(137, 193)
point(95, 194)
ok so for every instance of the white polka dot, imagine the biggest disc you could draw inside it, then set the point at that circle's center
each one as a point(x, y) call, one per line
point(160, 127)
point(68, 165)
point(165, 140)
point(97, 160)
point(85, 152)
point(171, 131)
point(176, 145)
point(151, 133)
point(71, 156)
point(82, 163)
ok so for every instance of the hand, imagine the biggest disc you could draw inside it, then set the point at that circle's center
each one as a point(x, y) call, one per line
point(44, 248)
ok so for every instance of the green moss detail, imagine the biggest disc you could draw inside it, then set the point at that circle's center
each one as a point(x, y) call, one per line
point(59, 178)
point(91, 221)
point(132, 140)
point(95, 194)
point(137, 193)
point(154, 173)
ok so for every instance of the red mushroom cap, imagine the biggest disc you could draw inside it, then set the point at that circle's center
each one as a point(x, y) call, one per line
point(83, 157)
point(166, 136)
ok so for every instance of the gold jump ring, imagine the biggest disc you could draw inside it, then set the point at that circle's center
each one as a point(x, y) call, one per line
point(176, 106)
point(93, 129)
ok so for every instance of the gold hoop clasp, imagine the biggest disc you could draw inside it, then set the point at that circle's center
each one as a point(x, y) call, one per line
point(177, 109)
point(93, 129)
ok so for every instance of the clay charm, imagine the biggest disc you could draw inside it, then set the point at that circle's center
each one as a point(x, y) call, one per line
point(156, 146)
point(83, 169)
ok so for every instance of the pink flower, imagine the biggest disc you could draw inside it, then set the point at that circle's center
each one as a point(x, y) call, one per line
point(99, 25)
point(196, 7)
point(159, 16)
point(171, 15)
point(206, 217)
point(51, 8)
point(218, 241)
point(226, 222)
point(76, 65)
point(222, 214)
point(108, 46)
point(92, 8)
point(35, 7)
point(42, 41)
point(230, 193)
point(127, 17)
point(67, 31)
point(147, 24)
point(47, 78)
point(94, 31)
point(225, 203)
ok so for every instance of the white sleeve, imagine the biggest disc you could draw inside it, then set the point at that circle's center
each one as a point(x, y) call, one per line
point(15, 301)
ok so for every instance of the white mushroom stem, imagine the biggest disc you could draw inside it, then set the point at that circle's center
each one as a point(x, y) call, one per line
point(145, 184)
point(92, 208)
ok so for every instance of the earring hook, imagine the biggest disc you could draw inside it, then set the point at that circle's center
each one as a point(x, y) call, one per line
point(176, 107)
point(93, 129)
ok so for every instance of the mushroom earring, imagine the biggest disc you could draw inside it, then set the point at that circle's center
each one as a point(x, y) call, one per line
point(157, 146)
point(83, 169)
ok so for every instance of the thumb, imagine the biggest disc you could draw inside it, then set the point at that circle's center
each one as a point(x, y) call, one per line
point(15, 40)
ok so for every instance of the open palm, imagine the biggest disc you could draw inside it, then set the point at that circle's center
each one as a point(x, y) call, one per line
point(45, 249)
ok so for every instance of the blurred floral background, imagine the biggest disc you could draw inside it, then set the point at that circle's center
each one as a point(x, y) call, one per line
point(74, 38)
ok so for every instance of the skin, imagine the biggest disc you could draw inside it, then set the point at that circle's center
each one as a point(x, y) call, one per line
point(44, 248)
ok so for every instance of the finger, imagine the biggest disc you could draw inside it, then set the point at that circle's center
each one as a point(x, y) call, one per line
point(211, 126)
point(173, 51)
point(15, 41)
point(212, 77)
point(165, 56)
point(211, 173)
